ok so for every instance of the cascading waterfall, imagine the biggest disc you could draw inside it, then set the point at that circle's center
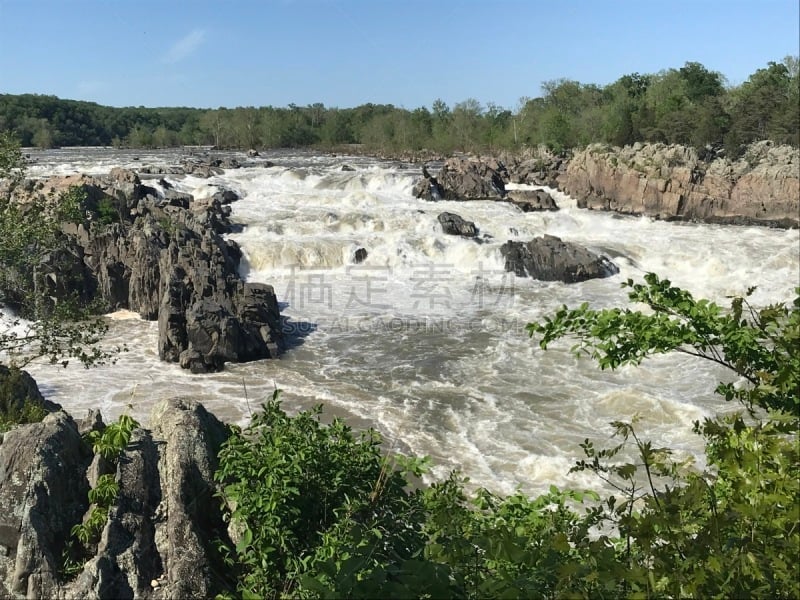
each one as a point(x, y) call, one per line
point(424, 340)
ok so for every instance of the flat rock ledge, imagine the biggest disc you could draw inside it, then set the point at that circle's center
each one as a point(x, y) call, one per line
point(158, 540)
point(548, 258)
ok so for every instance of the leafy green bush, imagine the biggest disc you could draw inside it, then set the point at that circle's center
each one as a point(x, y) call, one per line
point(30, 412)
point(107, 212)
point(732, 530)
point(290, 484)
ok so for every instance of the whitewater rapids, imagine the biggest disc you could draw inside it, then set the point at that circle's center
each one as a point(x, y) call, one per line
point(424, 340)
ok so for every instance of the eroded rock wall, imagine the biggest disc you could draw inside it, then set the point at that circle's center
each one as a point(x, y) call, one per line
point(674, 182)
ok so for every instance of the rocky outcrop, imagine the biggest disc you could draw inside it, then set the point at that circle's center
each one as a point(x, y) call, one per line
point(158, 539)
point(453, 224)
point(537, 166)
point(16, 388)
point(479, 179)
point(43, 493)
point(673, 182)
point(463, 179)
point(548, 258)
point(164, 256)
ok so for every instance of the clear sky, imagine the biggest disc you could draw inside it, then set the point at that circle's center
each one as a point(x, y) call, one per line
point(210, 53)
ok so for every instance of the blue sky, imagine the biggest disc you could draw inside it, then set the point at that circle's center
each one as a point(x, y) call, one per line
point(348, 52)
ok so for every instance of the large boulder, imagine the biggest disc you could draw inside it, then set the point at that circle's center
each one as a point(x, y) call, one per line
point(548, 258)
point(453, 224)
point(463, 179)
point(43, 493)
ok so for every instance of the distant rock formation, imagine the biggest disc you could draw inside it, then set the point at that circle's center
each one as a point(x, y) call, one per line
point(536, 166)
point(478, 179)
point(548, 258)
point(673, 182)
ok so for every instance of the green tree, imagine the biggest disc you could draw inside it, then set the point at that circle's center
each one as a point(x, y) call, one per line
point(732, 530)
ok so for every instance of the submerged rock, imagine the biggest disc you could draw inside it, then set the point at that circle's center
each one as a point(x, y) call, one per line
point(360, 255)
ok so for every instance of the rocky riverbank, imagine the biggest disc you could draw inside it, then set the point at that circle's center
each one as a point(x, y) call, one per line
point(665, 182)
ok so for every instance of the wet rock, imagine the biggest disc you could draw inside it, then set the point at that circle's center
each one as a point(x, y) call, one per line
point(548, 258)
point(360, 255)
point(453, 224)
point(532, 200)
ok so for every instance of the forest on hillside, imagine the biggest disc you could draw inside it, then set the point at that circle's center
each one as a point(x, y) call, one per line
point(689, 105)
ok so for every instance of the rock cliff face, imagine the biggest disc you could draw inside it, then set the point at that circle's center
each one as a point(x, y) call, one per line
point(673, 182)
point(165, 257)
point(157, 541)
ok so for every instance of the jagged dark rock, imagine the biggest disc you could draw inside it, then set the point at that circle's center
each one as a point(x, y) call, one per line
point(548, 258)
point(453, 224)
point(165, 258)
point(463, 179)
point(161, 527)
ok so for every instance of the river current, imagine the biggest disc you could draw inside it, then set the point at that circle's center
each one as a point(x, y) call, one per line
point(424, 340)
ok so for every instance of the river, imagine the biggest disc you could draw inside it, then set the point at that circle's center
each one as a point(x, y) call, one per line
point(424, 340)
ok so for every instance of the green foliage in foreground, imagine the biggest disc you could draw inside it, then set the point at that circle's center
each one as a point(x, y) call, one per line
point(318, 512)
point(108, 443)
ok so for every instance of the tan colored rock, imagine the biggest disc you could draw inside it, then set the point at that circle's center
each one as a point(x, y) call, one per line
point(671, 182)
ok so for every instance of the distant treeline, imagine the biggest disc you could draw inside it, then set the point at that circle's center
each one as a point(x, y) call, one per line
point(690, 105)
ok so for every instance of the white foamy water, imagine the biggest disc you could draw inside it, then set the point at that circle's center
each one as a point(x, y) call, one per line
point(425, 339)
